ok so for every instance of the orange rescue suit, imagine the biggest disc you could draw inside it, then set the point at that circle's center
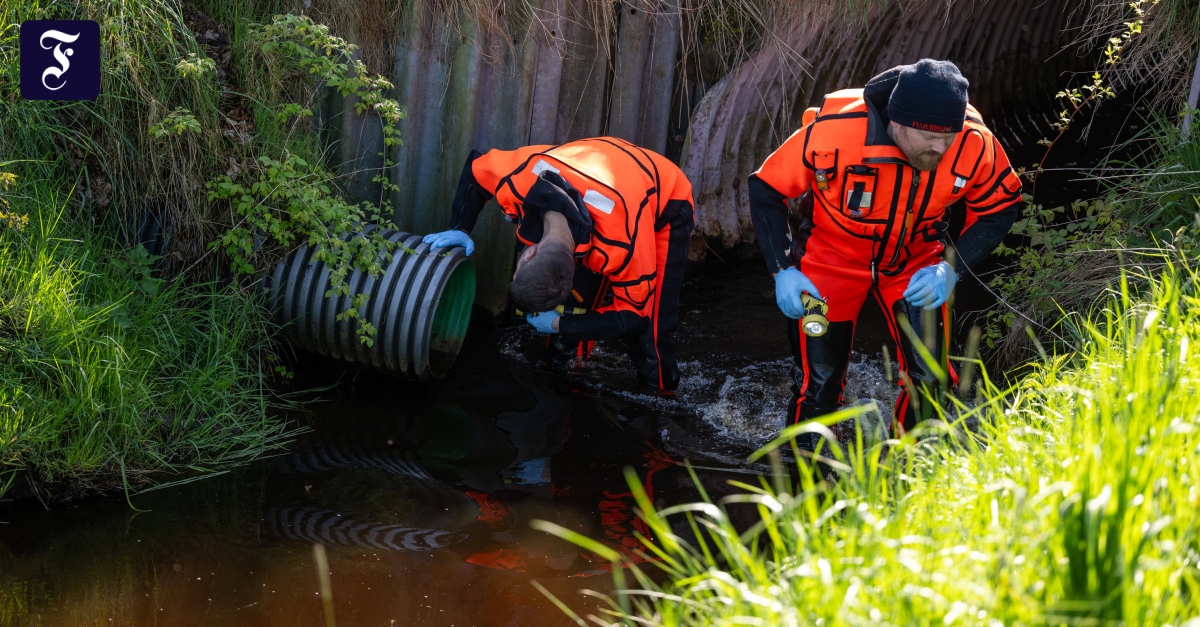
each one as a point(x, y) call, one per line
point(641, 215)
point(626, 189)
point(870, 208)
point(867, 221)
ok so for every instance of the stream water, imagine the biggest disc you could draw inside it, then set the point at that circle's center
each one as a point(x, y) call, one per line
point(423, 496)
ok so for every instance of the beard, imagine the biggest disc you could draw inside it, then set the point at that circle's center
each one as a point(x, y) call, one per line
point(916, 150)
point(926, 162)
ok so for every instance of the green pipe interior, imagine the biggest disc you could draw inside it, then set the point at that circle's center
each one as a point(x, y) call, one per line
point(451, 318)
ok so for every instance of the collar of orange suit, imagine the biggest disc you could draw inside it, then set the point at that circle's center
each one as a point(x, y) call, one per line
point(552, 192)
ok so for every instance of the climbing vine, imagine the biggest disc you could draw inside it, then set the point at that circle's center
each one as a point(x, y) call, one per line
point(294, 43)
point(1069, 254)
point(1077, 99)
point(289, 200)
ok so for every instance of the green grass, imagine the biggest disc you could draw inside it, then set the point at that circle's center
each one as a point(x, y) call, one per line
point(109, 374)
point(1165, 197)
point(105, 144)
point(1076, 504)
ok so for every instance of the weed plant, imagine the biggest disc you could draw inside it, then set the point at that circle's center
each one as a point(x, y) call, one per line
point(1164, 56)
point(110, 373)
point(1074, 503)
point(1069, 254)
point(107, 147)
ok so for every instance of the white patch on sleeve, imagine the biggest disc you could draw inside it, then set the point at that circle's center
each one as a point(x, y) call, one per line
point(599, 201)
point(542, 166)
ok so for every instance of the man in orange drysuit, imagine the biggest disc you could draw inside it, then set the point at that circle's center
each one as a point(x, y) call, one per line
point(877, 174)
point(617, 210)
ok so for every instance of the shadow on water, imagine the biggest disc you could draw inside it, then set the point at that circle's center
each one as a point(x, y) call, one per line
point(423, 496)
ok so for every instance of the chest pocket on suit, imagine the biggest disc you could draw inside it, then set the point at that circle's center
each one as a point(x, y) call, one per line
point(858, 191)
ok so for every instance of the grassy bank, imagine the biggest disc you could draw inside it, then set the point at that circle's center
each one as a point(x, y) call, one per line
point(109, 373)
point(118, 368)
point(1076, 504)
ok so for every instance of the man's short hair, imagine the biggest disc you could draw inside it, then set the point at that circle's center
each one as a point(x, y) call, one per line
point(543, 282)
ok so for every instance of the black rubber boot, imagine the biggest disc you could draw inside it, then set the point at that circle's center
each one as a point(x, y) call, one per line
point(818, 373)
point(930, 326)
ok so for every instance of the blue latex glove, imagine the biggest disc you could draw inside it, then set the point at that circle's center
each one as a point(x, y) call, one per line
point(544, 321)
point(930, 286)
point(453, 237)
point(788, 285)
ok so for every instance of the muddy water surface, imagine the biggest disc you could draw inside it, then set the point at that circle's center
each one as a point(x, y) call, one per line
point(423, 496)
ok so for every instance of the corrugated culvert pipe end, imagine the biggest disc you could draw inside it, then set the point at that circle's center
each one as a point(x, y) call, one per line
point(420, 306)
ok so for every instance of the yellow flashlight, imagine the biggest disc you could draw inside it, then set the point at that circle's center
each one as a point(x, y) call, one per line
point(814, 322)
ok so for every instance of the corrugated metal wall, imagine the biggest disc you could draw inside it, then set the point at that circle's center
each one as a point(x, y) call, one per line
point(1015, 53)
point(569, 72)
point(559, 78)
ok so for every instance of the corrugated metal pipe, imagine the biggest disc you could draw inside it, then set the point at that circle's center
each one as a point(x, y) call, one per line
point(420, 306)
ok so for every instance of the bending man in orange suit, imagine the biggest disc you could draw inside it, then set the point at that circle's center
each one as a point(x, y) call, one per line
point(606, 205)
point(878, 172)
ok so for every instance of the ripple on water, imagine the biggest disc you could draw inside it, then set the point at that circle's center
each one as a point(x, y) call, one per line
point(741, 401)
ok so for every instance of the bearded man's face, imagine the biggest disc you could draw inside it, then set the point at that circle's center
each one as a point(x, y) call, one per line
point(923, 149)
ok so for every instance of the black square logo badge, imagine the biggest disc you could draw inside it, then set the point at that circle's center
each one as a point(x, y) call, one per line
point(60, 60)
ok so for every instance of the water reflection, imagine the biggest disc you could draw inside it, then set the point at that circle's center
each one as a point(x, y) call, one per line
point(329, 527)
point(423, 496)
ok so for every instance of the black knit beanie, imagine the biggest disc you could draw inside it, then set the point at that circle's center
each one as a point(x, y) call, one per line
point(930, 96)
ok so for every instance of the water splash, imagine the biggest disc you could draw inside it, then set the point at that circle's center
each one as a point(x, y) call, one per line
point(741, 401)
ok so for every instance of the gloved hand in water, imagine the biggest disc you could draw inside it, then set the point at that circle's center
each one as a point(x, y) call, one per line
point(543, 321)
point(453, 237)
point(789, 282)
point(930, 286)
